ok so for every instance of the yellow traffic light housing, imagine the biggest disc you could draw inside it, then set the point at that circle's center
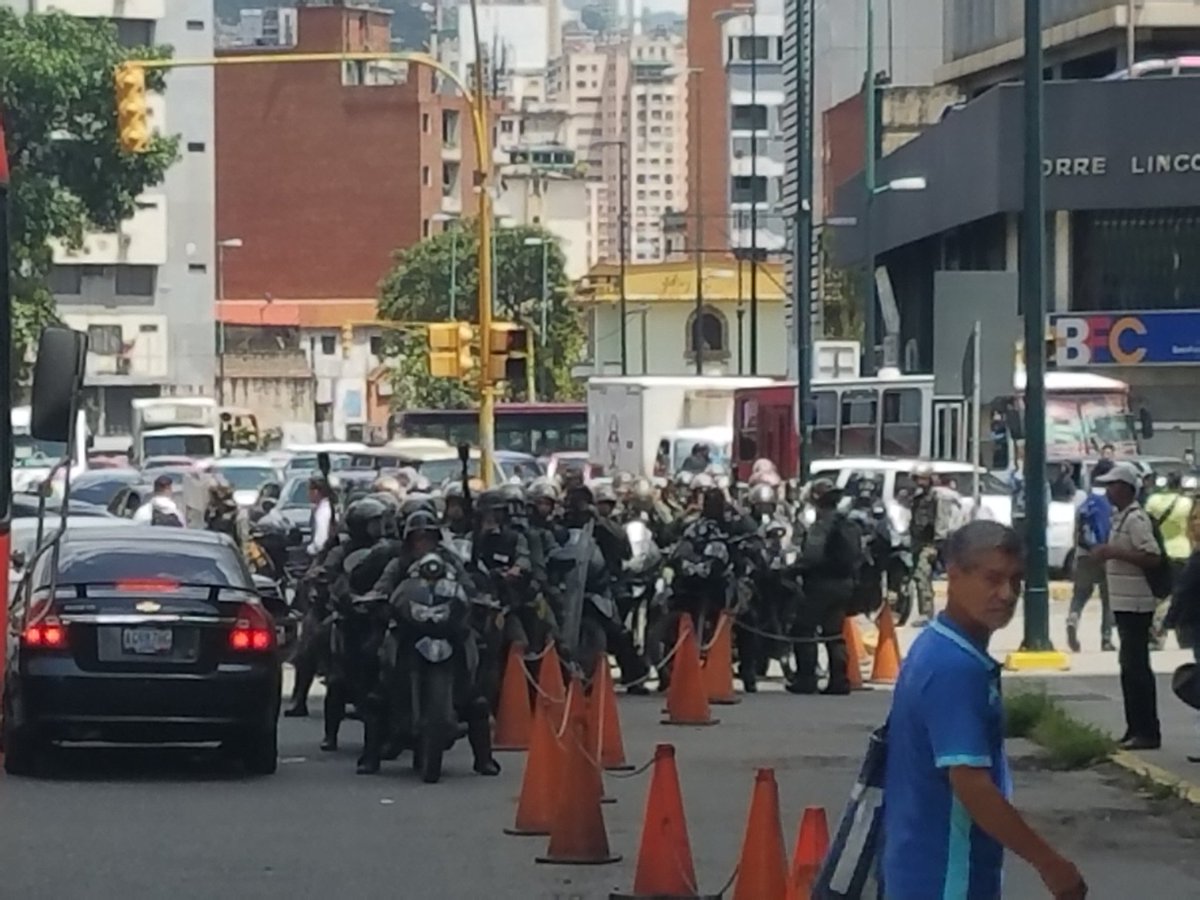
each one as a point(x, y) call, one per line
point(510, 353)
point(133, 125)
point(450, 353)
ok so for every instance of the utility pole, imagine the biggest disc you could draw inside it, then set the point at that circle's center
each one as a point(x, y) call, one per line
point(697, 180)
point(802, 232)
point(869, 303)
point(1037, 651)
point(754, 189)
point(622, 214)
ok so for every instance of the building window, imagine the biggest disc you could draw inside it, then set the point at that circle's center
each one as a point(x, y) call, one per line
point(377, 345)
point(424, 228)
point(135, 281)
point(105, 339)
point(195, 24)
point(749, 48)
point(744, 189)
point(195, 146)
point(711, 331)
point(67, 280)
point(197, 268)
point(425, 176)
point(134, 32)
point(328, 344)
point(424, 123)
point(745, 118)
point(506, 126)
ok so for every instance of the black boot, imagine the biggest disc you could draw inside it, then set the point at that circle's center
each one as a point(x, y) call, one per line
point(306, 671)
point(335, 711)
point(479, 735)
point(369, 761)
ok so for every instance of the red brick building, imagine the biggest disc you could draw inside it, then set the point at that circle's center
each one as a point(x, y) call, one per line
point(325, 169)
point(708, 127)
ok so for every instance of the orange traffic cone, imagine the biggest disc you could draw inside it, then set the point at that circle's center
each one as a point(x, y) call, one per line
point(887, 651)
point(604, 725)
point(762, 866)
point(514, 718)
point(718, 664)
point(577, 834)
point(687, 700)
point(535, 808)
point(854, 654)
point(812, 843)
point(664, 863)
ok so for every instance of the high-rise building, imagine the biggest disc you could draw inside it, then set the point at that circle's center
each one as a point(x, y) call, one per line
point(643, 122)
point(144, 294)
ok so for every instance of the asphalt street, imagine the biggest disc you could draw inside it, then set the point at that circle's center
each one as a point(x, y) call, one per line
point(179, 824)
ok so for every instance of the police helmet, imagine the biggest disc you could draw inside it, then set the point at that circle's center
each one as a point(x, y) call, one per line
point(421, 522)
point(684, 479)
point(703, 481)
point(605, 493)
point(763, 495)
point(543, 489)
point(492, 500)
point(453, 490)
point(388, 484)
point(364, 519)
point(643, 491)
point(417, 503)
point(622, 482)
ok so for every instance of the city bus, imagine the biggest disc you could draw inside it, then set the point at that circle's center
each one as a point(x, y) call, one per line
point(536, 428)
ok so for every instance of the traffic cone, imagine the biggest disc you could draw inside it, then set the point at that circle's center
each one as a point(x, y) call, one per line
point(762, 866)
point(535, 808)
point(604, 723)
point(718, 664)
point(664, 862)
point(687, 700)
point(854, 654)
point(812, 843)
point(887, 651)
point(577, 834)
point(514, 718)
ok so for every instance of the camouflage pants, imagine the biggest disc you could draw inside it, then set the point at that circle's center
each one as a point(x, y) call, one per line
point(924, 557)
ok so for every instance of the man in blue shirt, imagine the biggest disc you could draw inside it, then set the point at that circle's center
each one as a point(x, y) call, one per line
point(947, 814)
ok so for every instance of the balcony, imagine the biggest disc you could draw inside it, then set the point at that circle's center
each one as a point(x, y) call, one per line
point(139, 241)
point(123, 346)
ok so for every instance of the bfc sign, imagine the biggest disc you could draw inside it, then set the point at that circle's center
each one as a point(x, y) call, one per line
point(1168, 337)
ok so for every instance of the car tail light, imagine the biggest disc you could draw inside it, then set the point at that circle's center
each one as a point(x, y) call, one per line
point(42, 628)
point(253, 630)
point(147, 585)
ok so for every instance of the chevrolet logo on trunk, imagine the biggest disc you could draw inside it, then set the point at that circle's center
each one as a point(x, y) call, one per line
point(148, 606)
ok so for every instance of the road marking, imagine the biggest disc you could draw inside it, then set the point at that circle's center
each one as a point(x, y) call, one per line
point(1131, 762)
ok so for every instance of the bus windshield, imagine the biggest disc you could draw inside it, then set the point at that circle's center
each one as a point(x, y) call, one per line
point(1080, 425)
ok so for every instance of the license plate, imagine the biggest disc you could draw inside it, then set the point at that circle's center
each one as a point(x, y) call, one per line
point(147, 641)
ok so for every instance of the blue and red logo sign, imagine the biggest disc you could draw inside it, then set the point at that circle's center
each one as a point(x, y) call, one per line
point(1167, 337)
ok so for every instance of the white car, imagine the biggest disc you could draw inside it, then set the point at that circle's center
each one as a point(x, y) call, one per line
point(995, 496)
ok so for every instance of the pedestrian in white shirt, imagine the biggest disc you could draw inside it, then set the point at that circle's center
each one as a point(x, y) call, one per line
point(320, 495)
point(161, 508)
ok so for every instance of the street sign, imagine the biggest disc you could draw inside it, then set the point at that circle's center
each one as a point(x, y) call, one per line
point(1151, 337)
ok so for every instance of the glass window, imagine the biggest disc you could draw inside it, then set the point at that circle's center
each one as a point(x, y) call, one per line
point(134, 32)
point(859, 423)
point(66, 280)
point(824, 425)
point(376, 342)
point(135, 281)
point(105, 339)
point(745, 118)
point(247, 478)
point(328, 344)
point(753, 48)
point(902, 422)
point(193, 445)
point(107, 561)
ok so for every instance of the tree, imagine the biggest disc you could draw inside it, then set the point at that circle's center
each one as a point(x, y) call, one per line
point(842, 292)
point(418, 288)
point(68, 175)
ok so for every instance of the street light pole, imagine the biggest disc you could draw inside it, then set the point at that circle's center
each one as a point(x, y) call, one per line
point(1037, 650)
point(802, 234)
point(754, 189)
point(869, 304)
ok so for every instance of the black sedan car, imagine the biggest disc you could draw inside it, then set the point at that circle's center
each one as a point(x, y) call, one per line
point(151, 635)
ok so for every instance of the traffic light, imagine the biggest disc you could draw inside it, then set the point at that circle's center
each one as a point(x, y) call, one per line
point(133, 127)
point(347, 338)
point(510, 353)
point(450, 349)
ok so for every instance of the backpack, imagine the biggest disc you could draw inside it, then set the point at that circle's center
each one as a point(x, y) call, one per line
point(160, 516)
point(1161, 577)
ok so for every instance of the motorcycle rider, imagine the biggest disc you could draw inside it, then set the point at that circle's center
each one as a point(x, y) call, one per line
point(923, 535)
point(832, 551)
point(643, 503)
point(869, 514)
point(422, 538)
point(351, 570)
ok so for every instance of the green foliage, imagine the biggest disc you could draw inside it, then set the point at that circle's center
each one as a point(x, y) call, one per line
point(68, 174)
point(1069, 743)
point(418, 289)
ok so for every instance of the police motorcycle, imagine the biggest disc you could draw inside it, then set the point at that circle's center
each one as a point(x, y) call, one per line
point(642, 570)
point(588, 608)
point(270, 556)
point(779, 591)
point(429, 660)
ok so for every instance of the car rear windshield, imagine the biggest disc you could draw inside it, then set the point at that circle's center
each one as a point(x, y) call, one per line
point(105, 562)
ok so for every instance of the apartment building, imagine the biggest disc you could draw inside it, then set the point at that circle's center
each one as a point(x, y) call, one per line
point(144, 294)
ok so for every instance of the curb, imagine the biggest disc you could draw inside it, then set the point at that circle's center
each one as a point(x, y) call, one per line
point(1131, 762)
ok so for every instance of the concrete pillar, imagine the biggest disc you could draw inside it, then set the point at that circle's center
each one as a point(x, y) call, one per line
point(1012, 248)
point(1061, 299)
